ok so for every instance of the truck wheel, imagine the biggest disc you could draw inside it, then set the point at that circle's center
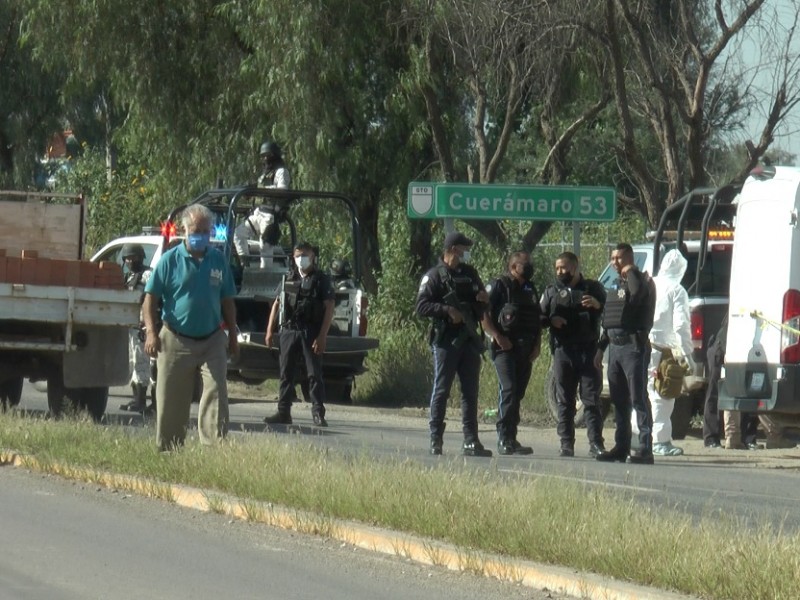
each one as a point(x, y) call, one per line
point(91, 399)
point(682, 416)
point(580, 417)
point(11, 391)
point(56, 394)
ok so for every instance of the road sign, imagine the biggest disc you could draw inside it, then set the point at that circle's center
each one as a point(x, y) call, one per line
point(514, 202)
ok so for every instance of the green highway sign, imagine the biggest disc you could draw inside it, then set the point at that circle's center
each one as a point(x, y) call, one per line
point(428, 200)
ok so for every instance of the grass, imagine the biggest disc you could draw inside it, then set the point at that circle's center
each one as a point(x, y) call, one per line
point(534, 518)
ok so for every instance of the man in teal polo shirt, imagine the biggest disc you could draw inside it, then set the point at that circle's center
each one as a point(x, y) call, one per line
point(194, 283)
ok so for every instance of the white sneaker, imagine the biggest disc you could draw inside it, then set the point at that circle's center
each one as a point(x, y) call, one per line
point(667, 449)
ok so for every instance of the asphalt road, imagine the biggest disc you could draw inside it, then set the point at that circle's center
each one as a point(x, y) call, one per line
point(756, 486)
point(64, 540)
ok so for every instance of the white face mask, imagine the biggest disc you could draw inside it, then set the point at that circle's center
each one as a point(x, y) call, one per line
point(466, 257)
point(302, 262)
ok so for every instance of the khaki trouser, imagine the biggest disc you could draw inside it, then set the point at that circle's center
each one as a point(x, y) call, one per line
point(733, 431)
point(178, 362)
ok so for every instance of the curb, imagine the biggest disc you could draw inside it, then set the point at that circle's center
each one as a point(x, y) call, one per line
point(421, 550)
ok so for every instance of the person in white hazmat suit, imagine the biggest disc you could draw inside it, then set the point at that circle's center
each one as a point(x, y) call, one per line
point(672, 329)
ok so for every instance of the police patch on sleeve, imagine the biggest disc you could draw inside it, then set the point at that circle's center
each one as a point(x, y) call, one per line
point(422, 283)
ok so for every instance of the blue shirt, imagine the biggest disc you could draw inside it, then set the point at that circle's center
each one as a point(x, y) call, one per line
point(192, 290)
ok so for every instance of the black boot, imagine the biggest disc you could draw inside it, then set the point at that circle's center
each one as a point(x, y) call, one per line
point(139, 401)
point(437, 441)
point(279, 418)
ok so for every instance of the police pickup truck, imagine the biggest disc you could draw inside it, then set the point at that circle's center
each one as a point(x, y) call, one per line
point(701, 224)
point(263, 259)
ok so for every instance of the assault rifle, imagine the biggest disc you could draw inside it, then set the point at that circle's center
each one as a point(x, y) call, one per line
point(469, 327)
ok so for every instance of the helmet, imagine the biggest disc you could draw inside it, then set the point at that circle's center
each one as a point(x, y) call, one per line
point(340, 268)
point(270, 147)
point(133, 250)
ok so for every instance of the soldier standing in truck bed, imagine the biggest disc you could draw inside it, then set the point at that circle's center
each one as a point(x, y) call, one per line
point(456, 343)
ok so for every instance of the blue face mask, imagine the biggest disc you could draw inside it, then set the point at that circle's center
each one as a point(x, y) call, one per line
point(198, 242)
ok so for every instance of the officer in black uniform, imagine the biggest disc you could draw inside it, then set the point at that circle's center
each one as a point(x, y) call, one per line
point(514, 323)
point(455, 340)
point(306, 302)
point(572, 308)
point(627, 320)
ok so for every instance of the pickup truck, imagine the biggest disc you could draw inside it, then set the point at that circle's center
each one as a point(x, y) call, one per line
point(259, 280)
point(701, 224)
point(62, 319)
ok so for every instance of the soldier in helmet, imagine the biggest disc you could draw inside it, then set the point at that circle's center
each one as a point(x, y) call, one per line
point(136, 277)
point(275, 174)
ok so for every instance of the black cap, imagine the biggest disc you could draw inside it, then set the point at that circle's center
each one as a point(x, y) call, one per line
point(456, 238)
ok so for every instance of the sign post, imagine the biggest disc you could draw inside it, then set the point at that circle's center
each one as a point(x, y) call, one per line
point(511, 202)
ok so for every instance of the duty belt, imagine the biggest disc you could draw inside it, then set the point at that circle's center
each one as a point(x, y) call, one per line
point(622, 340)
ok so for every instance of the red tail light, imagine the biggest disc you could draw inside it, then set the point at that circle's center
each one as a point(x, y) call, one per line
point(168, 230)
point(790, 340)
point(362, 315)
point(698, 326)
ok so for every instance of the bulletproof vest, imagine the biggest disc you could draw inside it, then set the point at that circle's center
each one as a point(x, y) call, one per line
point(304, 306)
point(134, 280)
point(620, 314)
point(268, 176)
point(581, 326)
point(521, 316)
point(464, 286)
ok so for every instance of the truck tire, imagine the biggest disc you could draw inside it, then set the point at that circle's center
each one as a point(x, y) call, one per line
point(552, 402)
point(91, 399)
point(56, 394)
point(11, 391)
point(682, 416)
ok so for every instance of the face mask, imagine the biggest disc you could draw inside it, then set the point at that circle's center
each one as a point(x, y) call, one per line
point(302, 262)
point(466, 257)
point(198, 242)
point(565, 278)
point(527, 271)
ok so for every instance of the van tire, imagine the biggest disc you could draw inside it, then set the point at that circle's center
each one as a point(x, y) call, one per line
point(91, 399)
point(580, 417)
point(682, 416)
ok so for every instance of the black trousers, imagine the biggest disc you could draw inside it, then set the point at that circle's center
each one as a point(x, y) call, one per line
point(627, 382)
point(711, 430)
point(449, 361)
point(513, 374)
point(573, 366)
point(296, 346)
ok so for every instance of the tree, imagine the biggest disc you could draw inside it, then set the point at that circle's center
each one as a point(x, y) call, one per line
point(673, 83)
point(29, 109)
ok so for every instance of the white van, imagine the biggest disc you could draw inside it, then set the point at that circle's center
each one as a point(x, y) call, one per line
point(762, 360)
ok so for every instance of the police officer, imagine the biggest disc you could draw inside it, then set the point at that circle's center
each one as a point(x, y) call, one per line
point(452, 295)
point(514, 323)
point(572, 308)
point(135, 279)
point(307, 314)
point(275, 174)
point(627, 320)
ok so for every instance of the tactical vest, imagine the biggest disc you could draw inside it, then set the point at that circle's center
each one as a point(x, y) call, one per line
point(464, 286)
point(582, 325)
point(621, 314)
point(304, 306)
point(521, 316)
point(135, 280)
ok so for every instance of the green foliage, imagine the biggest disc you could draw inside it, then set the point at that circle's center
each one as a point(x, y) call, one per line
point(117, 207)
